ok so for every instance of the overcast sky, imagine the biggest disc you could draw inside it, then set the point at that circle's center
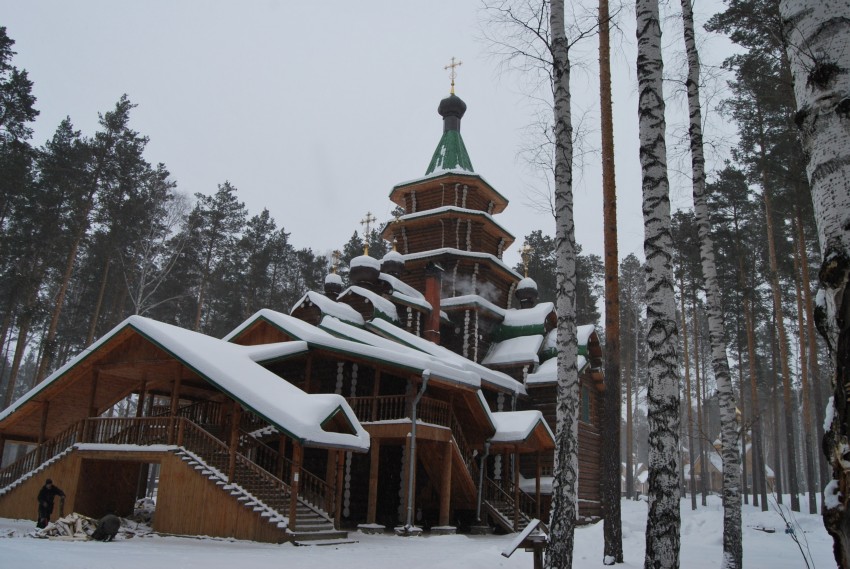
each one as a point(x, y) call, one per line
point(315, 110)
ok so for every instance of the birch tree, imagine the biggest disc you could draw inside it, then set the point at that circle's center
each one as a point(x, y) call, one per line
point(732, 548)
point(818, 35)
point(559, 553)
point(663, 522)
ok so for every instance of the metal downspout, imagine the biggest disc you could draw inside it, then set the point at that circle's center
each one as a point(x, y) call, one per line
point(411, 472)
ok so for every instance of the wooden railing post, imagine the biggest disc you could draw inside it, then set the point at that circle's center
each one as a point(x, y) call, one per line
point(446, 486)
point(180, 431)
point(297, 456)
point(375, 458)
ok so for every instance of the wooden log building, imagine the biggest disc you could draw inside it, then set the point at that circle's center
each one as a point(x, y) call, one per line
point(422, 396)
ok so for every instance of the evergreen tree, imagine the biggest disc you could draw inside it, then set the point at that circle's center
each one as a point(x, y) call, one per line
point(214, 225)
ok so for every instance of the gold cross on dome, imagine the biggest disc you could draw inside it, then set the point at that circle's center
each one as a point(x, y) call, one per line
point(336, 256)
point(367, 222)
point(453, 73)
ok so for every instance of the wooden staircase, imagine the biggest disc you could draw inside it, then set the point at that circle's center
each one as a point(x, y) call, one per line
point(249, 483)
point(503, 509)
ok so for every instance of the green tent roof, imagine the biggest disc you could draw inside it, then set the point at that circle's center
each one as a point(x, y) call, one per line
point(450, 154)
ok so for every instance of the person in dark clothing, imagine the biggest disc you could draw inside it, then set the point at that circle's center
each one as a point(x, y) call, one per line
point(107, 527)
point(46, 496)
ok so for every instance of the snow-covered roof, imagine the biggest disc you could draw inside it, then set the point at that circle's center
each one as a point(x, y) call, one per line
point(517, 426)
point(472, 300)
point(521, 317)
point(527, 282)
point(522, 349)
point(234, 370)
point(583, 333)
point(547, 372)
point(327, 306)
point(383, 307)
point(456, 210)
point(487, 375)
point(365, 261)
point(393, 255)
point(461, 253)
point(404, 293)
point(335, 335)
point(333, 278)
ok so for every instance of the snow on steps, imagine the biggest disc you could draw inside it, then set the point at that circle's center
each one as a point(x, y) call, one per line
point(310, 526)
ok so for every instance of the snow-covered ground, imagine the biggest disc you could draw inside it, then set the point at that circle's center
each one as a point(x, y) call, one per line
point(701, 547)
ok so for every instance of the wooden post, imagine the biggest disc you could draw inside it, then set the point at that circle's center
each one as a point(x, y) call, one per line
point(175, 401)
point(2, 449)
point(140, 405)
point(281, 456)
point(516, 489)
point(42, 432)
point(374, 463)
point(340, 462)
point(308, 374)
point(446, 486)
point(537, 485)
point(235, 417)
point(92, 408)
point(295, 477)
point(376, 388)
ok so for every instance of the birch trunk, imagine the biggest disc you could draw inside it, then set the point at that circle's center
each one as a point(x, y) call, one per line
point(664, 521)
point(613, 527)
point(818, 34)
point(732, 548)
point(559, 552)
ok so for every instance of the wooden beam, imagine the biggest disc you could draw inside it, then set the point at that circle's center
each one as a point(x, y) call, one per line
point(340, 462)
point(446, 485)
point(93, 394)
point(537, 485)
point(235, 419)
point(297, 457)
point(516, 490)
point(374, 463)
point(308, 373)
point(143, 393)
point(175, 401)
point(45, 407)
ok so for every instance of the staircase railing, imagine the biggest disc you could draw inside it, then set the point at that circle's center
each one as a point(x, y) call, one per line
point(38, 456)
point(147, 431)
point(464, 448)
point(497, 494)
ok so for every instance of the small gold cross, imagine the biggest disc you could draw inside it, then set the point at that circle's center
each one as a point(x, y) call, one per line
point(453, 73)
point(367, 222)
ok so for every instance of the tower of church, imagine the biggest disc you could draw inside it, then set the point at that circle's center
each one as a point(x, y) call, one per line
point(449, 232)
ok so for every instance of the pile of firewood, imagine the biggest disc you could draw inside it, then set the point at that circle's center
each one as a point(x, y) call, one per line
point(79, 527)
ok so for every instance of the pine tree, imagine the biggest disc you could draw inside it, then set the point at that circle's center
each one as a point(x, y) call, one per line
point(214, 224)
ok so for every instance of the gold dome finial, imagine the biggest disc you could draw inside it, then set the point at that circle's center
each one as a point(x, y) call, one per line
point(453, 73)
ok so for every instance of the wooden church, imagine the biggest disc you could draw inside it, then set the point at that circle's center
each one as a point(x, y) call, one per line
point(421, 396)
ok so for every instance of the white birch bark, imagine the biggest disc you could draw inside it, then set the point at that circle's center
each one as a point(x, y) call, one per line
point(663, 522)
point(732, 545)
point(818, 40)
point(559, 552)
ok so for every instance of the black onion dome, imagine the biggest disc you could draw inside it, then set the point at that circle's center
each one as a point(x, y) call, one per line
point(452, 109)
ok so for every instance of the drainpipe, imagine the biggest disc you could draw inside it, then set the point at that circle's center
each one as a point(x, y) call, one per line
point(481, 478)
point(411, 472)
